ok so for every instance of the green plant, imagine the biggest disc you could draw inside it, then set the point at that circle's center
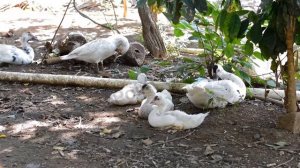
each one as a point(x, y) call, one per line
point(217, 47)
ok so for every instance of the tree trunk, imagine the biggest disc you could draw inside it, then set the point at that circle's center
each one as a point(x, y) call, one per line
point(153, 40)
point(290, 96)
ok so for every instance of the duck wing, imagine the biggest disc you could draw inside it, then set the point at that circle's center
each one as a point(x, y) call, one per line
point(166, 94)
point(224, 90)
point(185, 120)
point(92, 51)
point(13, 55)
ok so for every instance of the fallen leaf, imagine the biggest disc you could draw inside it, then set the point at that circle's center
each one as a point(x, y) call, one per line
point(117, 134)
point(59, 148)
point(3, 136)
point(147, 141)
point(281, 143)
point(216, 158)
point(277, 145)
point(183, 145)
point(208, 150)
point(105, 131)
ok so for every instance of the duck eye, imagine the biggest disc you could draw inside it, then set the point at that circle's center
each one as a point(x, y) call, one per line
point(156, 98)
point(144, 86)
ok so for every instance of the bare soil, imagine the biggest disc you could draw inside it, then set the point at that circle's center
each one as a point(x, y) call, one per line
point(62, 126)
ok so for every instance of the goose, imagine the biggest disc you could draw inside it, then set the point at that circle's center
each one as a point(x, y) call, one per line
point(13, 55)
point(129, 94)
point(175, 119)
point(217, 93)
point(97, 50)
point(150, 91)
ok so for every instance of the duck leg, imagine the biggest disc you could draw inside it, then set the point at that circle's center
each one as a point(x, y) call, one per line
point(96, 69)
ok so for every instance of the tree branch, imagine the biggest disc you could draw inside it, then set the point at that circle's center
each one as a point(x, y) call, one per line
point(85, 16)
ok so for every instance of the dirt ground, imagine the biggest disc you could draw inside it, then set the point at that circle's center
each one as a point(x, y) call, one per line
point(61, 126)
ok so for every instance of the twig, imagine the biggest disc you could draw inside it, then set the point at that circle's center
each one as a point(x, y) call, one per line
point(112, 4)
point(85, 16)
point(175, 139)
point(57, 29)
point(285, 162)
point(277, 102)
point(138, 161)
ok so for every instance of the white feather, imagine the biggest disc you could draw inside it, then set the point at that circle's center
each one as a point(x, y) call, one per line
point(150, 92)
point(212, 94)
point(97, 50)
point(129, 94)
point(176, 118)
point(13, 55)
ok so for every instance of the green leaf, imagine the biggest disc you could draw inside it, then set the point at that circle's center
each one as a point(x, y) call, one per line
point(187, 60)
point(230, 24)
point(178, 32)
point(144, 68)
point(201, 71)
point(164, 63)
point(229, 50)
point(200, 5)
point(132, 74)
point(255, 33)
point(151, 2)
point(297, 39)
point(268, 42)
point(221, 20)
point(244, 76)
point(258, 55)
point(243, 28)
point(271, 83)
point(248, 48)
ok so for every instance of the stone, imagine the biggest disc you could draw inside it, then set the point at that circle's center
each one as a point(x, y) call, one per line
point(291, 122)
point(135, 56)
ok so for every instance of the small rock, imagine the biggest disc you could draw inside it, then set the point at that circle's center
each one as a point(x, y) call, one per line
point(257, 136)
point(147, 141)
point(33, 165)
point(208, 150)
point(184, 100)
point(216, 158)
point(281, 153)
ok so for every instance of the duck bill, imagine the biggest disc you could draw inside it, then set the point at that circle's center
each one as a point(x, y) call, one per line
point(214, 76)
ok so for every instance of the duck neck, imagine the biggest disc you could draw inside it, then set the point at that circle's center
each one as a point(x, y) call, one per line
point(235, 79)
point(27, 49)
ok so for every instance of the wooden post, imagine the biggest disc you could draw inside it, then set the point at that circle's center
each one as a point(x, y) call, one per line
point(125, 8)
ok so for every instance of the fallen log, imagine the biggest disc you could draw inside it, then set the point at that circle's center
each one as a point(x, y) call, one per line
point(84, 81)
point(271, 93)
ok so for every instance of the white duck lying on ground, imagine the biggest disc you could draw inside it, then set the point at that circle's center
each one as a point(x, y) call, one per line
point(176, 119)
point(13, 55)
point(129, 94)
point(150, 92)
point(212, 94)
point(97, 50)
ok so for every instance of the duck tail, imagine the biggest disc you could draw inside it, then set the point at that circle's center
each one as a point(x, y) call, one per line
point(199, 118)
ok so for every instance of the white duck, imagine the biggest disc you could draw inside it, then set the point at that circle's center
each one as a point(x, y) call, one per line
point(150, 92)
point(176, 119)
point(129, 94)
point(212, 94)
point(13, 55)
point(97, 50)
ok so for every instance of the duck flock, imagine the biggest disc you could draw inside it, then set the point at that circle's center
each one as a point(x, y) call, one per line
point(156, 107)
